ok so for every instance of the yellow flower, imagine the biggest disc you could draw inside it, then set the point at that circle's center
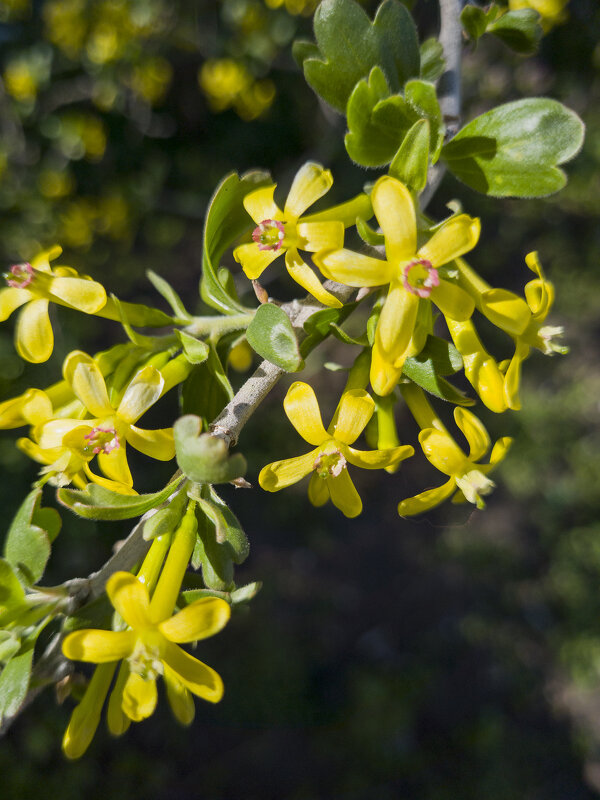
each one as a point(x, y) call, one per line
point(150, 645)
point(552, 12)
point(328, 461)
point(34, 286)
point(112, 427)
point(466, 474)
point(539, 294)
point(411, 272)
point(287, 231)
point(481, 369)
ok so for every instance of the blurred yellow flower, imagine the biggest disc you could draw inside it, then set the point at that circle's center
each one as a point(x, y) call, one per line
point(552, 12)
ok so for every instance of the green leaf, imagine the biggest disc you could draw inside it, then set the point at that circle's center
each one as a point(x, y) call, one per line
point(475, 20)
point(95, 614)
point(377, 122)
point(202, 457)
point(214, 558)
point(226, 220)
point(368, 234)
point(271, 335)
point(246, 593)
point(207, 389)
point(341, 334)
point(164, 288)
point(318, 325)
point(31, 533)
point(14, 682)
point(232, 532)
point(514, 149)
point(164, 521)
point(136, 314)
point(436, 359)
point(433, 63)
point(421, 96)
point(411, 162)
point(520, 30)
point(195, 350)
point(349, 46)
point(12, 594)
point(97, 502)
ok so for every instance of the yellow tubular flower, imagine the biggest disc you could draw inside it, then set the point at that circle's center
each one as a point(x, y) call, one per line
point(410, 271)
point(150, 645)
point(111, 427)
point(539, 294)
point(481, 369)
point(34, 286)
point(288, 231)
point(440, 449)
point(328, 461)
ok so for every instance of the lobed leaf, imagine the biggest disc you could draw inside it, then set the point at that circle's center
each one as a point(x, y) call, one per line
point(97, 502)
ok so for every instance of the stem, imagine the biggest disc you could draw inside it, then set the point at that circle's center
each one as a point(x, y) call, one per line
point(449, 86)
point(204, 326)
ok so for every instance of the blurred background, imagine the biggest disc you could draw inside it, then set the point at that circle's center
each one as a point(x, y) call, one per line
point(453, 656)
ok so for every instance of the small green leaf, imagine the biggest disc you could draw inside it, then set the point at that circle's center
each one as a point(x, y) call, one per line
point(246, 593)
point(226, 220)
point(349, 45)
point(411, 162)
point(520, 30)
point(368, 234)
point(214, 558)
point(164, 288)
point(433, 63)
point(341, 334)
point(12, 594)
point(514, 149)
point(202, 457)
point(444, 357)
point(27, 546)
point(207, 389)
point(271, 335)
point(95, 614)
point(97, 502)
point(421, 96)
point(318, 325)
point(436, 359)
point(14, 682)
point(475, 20)
point(136, 314)
point(232, 532)
point(195, 350)
point(164, 521)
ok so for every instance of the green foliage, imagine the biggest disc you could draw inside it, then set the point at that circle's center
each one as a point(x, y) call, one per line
point(349, 45)
point(436, 359)
point(519, 29)
point(33, 530)
point(411, 162)
point(271, 335)
point(97, 502)
point(204, 458)
point(14, 682)
point(207, 388)
point(195, 350)
point(514, 150)
point(226, 220)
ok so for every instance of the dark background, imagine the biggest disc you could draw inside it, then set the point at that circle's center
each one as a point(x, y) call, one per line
point(453, 656)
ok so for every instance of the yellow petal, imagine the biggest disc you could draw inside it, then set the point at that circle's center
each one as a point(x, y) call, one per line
point(87, 296)
point(113, 486)
point(32, 407)
point(506, 310)
point(540, 298)
point(86, 716)
point(474, 432)
point(142, 392)
point(180, 699)
point(315, 236)
point(311, 183)
point(343, 494)
point(12, 298)
point(500, 449)
point(86, 380)
point(139, 697)
point(426, 500)
point(457, 236)
point(116, 719)
point(378, 459)
point(318, 492)
point(481, 369)
point(199, 620)
point(302, 410)
point(442, 451)
point(98, 646)
point(199, 678)
point(395, 212)
point(306, 277)
point(130, 598)
point(383, 375)
point(512, 378)
point(253, 260)
point(261, 205)
point(114, 465)
point(34, 339)
point(359, 206)
point(157, 443)
point(284, 473)
point(41, 260)
point(452, 301)
point(396, 324)
point(353, 269)
point(355, 409)
point(51, 434)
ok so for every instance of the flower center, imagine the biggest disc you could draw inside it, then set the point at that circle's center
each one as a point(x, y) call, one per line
point(269, 234)
point(145, 661)
point(101, 440)
point(20, 276)
point(420, 277)
point(475, 485)
point(329, 464)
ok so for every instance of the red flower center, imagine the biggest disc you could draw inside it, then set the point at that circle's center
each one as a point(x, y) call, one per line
point(269, 234)
point(420, 277)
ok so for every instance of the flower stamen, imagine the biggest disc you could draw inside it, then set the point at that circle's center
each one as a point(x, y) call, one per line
point(102, 440)
point(329, 464)
point(269, 234)
point(22, 275)
point(419, 277)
